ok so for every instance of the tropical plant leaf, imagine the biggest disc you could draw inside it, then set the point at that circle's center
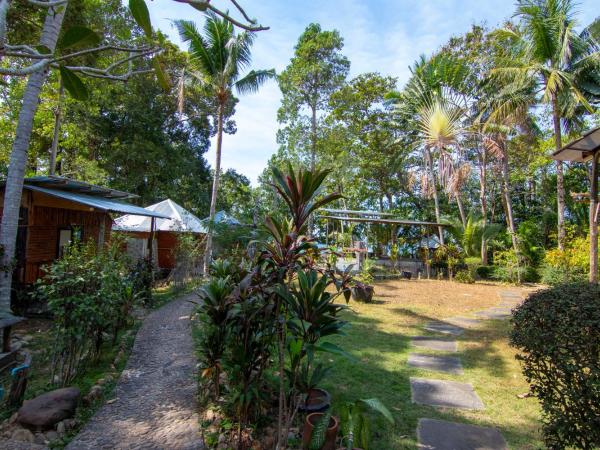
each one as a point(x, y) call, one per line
point(161, 73)
point(78, 36)
point(73, 84)
point(376, 405)
point(139, 11)
point(317, 439)
point(328, 347)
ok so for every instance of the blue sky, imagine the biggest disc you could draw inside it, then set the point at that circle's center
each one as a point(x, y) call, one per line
point(384, 36)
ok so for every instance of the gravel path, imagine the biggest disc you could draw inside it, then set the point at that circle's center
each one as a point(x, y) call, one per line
point(155, 406)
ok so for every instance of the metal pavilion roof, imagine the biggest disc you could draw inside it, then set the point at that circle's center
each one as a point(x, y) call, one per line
point(97, 202)
point(385, 221)
point(580, 150)
point(357, 212)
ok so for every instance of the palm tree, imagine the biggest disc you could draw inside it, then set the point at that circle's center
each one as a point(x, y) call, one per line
point(546, 57)
point(217, 59)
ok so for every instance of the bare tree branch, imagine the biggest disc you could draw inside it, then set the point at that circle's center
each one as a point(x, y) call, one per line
point(206, 5)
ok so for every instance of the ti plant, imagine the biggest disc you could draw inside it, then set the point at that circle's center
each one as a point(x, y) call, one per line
point(356, 427)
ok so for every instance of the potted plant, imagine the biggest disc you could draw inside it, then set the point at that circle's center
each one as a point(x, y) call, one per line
point(355, 422)
point(316, 399)
point(320, 431)
point(363, 291)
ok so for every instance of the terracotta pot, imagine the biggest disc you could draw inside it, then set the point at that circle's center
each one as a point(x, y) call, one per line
point(317, 400)
point(363, 293)
point(330, 435)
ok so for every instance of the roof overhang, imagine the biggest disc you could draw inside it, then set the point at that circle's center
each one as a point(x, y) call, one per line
point(385, 221)
point(580, 150)
point(95, 202)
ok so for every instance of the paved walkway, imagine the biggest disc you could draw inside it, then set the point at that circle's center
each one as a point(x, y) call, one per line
point(155, 398)
point(441, 435)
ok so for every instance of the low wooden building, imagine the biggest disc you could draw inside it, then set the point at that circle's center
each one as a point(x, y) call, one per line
point(138, 229)
point(56, 210)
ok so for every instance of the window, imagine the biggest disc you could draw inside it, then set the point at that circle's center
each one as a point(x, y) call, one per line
point(68, 235)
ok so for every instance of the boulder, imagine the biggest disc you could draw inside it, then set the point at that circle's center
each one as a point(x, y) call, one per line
point(46, 410)
point(23, 435)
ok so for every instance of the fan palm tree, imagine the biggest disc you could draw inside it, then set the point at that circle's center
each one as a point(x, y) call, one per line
point(548, 58)
point(217, 60)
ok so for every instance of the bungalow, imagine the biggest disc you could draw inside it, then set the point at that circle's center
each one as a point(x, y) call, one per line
point(56, 210)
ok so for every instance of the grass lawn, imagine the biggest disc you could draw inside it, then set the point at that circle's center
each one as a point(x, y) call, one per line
point(379, 337)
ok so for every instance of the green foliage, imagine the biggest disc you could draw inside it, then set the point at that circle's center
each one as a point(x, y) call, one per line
point(319, 433)
point(89, 296)
point(141, 277)
point(464, 276)
point(557, 333)
point(568, 265)
point(484, 272)
point(356, 427)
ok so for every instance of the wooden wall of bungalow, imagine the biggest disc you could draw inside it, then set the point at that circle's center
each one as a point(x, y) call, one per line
point(45, 223)
point(166, 243)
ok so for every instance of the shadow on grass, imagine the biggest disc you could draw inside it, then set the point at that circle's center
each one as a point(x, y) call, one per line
point(380, 370)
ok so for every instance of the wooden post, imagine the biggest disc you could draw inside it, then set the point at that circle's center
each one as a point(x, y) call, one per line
point(102, 232)
point(6, 339)
point(151, 240)
point(594, 219)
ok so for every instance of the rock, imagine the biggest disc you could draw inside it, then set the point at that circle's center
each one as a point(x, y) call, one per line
point(13, 418)
point(100, 381)
point(222, 438)
point(23, 435)
point(39, 438)
point(209, 414)
point(46, 410)
point(52, 435)
point(61, 428)
point(95, 393)
point(70, 423)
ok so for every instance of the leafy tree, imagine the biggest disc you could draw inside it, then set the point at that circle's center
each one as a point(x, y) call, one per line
point(316, 70)
point(548, 56)
point(217, 60)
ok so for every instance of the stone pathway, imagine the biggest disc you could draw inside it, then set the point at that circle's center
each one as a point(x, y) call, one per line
point(439, 434)
point(155, 399)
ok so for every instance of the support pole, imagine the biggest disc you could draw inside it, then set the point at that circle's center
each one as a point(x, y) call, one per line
point(151, 240)
point(593, 276)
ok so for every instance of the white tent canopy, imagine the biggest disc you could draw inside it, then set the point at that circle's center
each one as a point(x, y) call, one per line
point(180, 220)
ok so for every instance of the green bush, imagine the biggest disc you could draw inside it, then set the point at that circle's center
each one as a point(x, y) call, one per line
point(464, 276)
point(557, 333)
point(571, 264)
point(485, 272)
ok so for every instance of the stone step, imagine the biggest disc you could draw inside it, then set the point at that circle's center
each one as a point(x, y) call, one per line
point(446, 394)
point(435, 343)
point(444, 327)
point(448, 364)
point(464, 322)
point(442, 435)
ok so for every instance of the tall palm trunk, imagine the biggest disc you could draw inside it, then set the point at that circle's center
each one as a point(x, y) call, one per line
point(483, 202)
point(18, 158)
point(461, 209)
point(436, 201)
point(215, 189)
point(560, 181)
point(508, 209)
point(57, 124)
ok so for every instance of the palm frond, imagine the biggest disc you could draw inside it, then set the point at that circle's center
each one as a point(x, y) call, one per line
point(253, 80)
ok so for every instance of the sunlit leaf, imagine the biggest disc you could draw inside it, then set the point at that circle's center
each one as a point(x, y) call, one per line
point(73, 84)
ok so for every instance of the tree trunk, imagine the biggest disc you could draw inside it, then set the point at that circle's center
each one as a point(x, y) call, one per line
point(483, 202)
point(560, 182)
point(429, 166)
point(594, 220)
point(18, 158)
point(57, 124)
point(313, 154)
point(215, 189)
point(461, 209)
point(508, 207)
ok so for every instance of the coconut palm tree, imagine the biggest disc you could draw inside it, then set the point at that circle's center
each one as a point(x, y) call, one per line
point(217, 60)
point(548, 58)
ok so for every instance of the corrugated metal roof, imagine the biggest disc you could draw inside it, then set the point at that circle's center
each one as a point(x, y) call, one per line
point(221, 217)
point(79, 187)
point(99, 203)
point(180, 220)
point(580, 150)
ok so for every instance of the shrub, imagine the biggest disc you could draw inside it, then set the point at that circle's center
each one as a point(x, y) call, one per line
point(484, 272)
point(464, 276)
point(568, 265)
point(557, 333)
point(84, 289)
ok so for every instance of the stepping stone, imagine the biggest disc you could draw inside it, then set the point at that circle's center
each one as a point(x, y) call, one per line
point(433, 343)
point(449, 364)
point(442, 435)
point(447, 394)
point(464, 322)
point(493, 313)
point(445, 328)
